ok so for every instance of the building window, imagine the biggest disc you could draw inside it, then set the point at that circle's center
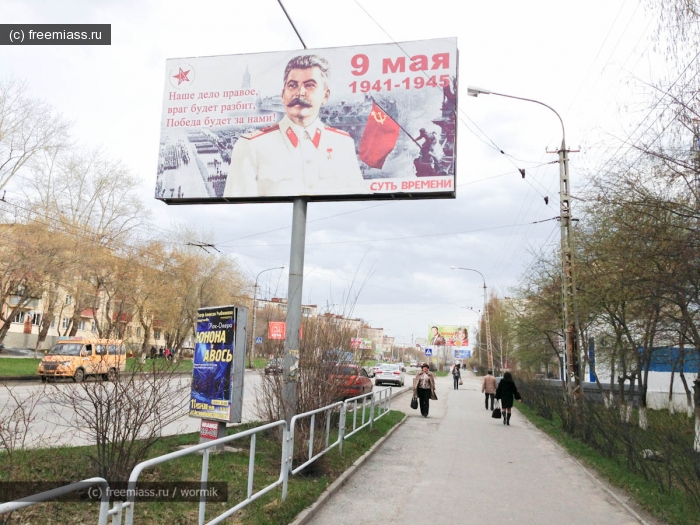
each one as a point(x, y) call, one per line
point(19, 318)
point(65, 322)
point(69, 299)
point(139, 331)
point(36, 319)
point(156, 334)
point(93, 326)
point(53, 322)
point(81, 324)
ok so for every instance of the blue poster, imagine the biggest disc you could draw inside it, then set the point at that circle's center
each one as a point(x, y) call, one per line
point(212, 373)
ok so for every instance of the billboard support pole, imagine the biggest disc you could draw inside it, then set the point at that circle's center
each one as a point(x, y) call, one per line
point(296, 281)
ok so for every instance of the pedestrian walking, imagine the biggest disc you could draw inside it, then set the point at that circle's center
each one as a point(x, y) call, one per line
point(506, 392)
point(488, 387)
point(456, 376)
point(424, 388)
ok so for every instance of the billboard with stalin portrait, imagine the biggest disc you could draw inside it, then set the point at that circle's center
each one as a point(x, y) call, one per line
point(350, 123)
point(211, 395)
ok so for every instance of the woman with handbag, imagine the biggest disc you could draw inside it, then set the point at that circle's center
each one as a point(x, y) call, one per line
point(456, 376)
point(506, 393)
point(424, 388)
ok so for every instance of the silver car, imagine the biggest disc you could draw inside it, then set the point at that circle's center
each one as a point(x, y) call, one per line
point(390, 373)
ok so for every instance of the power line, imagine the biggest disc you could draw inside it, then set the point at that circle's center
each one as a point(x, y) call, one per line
point(387, 239)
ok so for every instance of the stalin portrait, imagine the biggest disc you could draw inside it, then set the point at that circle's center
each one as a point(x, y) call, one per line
point(299, 155)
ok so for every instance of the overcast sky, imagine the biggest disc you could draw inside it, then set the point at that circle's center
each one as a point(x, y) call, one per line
point(579, 57)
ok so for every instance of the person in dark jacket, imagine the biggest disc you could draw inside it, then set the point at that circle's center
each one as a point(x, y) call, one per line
point(506, 393)
point(456, 375)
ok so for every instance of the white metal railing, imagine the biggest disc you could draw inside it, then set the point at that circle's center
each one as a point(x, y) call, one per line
point(116, 511)
point(205, 447)
point(383, 404)
point(328, 410)
point(379, 402)
point(62, 491)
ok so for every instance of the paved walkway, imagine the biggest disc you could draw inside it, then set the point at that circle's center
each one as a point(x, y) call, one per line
point(460, 466)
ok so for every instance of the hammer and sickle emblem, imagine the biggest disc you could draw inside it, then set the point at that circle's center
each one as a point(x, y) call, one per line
point(379, 116)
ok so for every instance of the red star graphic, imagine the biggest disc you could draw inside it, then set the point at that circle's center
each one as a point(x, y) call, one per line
point(182, 76)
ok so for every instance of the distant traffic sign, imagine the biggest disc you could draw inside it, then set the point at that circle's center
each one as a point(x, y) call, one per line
point(429, 352)
point(258, 340)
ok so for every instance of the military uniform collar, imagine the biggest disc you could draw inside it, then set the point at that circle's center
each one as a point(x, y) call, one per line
point(294, 133)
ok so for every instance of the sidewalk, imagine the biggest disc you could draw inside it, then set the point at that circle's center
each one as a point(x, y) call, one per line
point(460, 466)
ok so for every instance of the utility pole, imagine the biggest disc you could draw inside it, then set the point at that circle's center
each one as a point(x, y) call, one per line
point(573, 359)
point(571, 353)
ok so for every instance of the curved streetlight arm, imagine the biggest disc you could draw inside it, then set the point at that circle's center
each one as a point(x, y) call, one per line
point(470, 270)
point(475, 92)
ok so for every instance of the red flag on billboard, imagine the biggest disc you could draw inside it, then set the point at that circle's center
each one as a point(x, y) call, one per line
point(379, 137)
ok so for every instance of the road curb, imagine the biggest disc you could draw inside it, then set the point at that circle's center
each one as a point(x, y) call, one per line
point(305, 515)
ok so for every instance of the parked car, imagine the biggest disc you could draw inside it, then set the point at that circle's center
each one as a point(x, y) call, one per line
point(390, 373)
point(351, 380)
point(274, 366)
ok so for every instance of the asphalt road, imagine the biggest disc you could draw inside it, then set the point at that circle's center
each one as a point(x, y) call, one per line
point(50, 427)
point(461, 466)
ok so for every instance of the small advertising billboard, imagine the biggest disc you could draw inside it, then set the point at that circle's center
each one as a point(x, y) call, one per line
point(361, 343)
point(277, 330)
point(217, 374)
point(462, 353)
point(348, 123)
point(448, 335)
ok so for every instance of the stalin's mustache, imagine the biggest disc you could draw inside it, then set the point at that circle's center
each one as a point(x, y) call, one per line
point(300, 101)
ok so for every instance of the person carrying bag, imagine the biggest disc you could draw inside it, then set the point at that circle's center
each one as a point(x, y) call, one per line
point(506, 393)
point(424, 388)
point(456, 376)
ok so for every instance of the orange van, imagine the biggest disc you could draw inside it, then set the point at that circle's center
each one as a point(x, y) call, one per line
point(78, 358)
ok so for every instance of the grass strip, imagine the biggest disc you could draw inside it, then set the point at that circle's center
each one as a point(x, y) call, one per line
point(18, 366)
point(69, 464)
point(670, 507)
point(27, 366)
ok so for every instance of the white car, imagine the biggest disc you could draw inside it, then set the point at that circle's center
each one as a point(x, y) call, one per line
point(390, 373)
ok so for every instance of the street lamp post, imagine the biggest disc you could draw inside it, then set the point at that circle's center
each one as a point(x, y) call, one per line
point(486, 315)
point(568, 286)
point(255, 309)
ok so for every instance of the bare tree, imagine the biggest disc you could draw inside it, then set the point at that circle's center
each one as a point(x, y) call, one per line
point(124, 418)
point(28, 129)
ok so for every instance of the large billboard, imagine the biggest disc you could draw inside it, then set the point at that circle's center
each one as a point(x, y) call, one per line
point(350, 123)
point(212, 390)
point(448, 335)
